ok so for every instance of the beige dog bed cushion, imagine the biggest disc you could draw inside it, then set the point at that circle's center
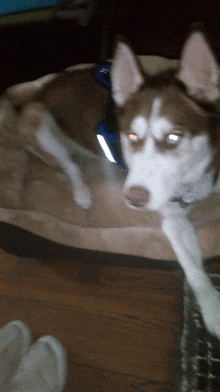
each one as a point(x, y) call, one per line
point(37, 197)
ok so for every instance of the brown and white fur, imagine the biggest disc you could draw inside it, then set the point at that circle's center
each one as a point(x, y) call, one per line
point(170, 135)
point(58, 119)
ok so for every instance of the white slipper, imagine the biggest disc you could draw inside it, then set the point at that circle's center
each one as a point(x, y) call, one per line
point(15, 339)
point(43, 369)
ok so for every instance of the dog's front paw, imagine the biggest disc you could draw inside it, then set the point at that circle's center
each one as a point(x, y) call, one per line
point(83, 197)
point(210, 309)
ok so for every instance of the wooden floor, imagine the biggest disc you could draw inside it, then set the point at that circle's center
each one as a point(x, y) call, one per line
point(121, 326)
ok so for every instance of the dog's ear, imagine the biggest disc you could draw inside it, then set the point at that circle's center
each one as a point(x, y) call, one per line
point(126, 75)
point(199, 68)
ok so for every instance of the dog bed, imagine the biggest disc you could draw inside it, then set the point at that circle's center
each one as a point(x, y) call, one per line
point(36, 196)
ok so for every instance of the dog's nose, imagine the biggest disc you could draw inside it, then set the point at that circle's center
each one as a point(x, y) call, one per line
point(137, 196)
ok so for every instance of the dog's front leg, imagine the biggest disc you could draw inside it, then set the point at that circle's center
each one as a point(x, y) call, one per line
point(185, 244)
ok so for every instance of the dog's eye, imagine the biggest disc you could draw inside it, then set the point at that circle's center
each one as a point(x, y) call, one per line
point(133, 138)
point(172, 139)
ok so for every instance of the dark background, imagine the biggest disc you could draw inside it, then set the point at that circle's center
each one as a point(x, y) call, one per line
point(154, 27)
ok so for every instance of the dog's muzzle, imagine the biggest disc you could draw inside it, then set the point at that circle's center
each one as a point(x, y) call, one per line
point(137, 196)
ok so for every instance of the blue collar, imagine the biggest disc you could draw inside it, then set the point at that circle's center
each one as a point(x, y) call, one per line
point(107, 128)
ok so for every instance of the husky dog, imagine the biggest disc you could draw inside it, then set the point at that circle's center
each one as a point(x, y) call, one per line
point(170, 136)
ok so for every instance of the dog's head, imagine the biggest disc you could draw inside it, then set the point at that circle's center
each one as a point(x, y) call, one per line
point(167, 122)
